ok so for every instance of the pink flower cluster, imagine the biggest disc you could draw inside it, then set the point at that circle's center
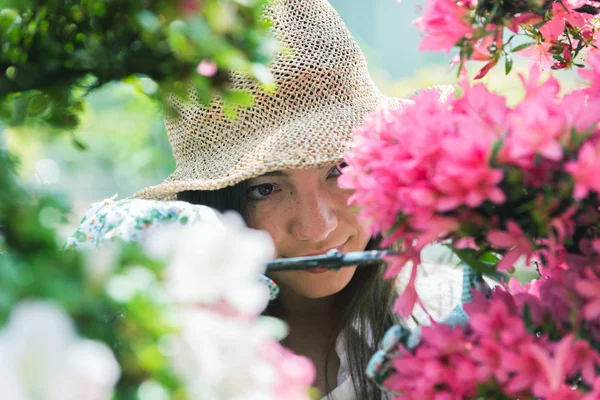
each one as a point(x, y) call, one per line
point(445, 22)
point(434, 169)
point(556, 31)
point(532, 341)
point(492, 180)
point(562, 36)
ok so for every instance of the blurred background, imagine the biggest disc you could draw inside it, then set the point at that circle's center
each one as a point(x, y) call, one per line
point(126, 147)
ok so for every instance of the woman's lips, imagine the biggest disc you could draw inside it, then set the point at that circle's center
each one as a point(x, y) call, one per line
point(323, 270)
point(340, 248)
point(320, 270)
point(316, 270)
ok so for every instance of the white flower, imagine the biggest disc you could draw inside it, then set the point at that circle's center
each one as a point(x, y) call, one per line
point(220, 357)
point(214, 260)
point(41, 357)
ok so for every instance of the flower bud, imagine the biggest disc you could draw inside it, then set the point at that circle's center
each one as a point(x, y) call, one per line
point(587, 33)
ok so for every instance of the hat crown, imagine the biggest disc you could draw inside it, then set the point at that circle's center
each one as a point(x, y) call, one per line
point(320, 65)
point(323, 91)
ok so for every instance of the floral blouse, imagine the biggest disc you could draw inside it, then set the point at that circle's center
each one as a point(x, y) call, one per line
point(128, 220)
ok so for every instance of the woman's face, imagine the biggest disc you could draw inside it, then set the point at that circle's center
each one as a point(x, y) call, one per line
point(306, 213)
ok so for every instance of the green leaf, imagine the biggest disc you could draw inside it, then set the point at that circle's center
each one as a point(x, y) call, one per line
point(489, 258)
point(239, 98)
point(79, 145)
point(508, 64)
point(11, 73)
point(522, 46)
point(469, 257)
point(230, 111)
point(148, 21)
point(38, 105)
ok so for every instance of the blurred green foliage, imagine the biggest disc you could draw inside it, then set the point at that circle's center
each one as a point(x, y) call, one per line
point(34, 266)
point(55, 52)
point(98, 70)
point(126, 148)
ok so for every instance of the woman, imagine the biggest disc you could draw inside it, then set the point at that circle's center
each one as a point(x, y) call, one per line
point(306, 213)
point(277, 164)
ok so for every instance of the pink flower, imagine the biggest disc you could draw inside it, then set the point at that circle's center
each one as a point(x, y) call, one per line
point(552, 29)
point(554, 369)
point(580, 111)
point(440, 368)
point(389, 166)
point(558, 300)
point(526, 18)
point(207, 68)
point(593, 74)
point(190, 8)
point(428, 228)
point(462, 174)
point(589, 288)
point(515, 241)
point(465, 243)
point(528, 295)
point(527, 374)
point(488, 358)
point(489, 109)
point(409, 256)
point(481, 52)
point(296, 373)
point(585, 171)
point(405, 303)
point(564, 224)
point(536, 123)
point(564, 392)
point(540, 55)
point(595, 393)
point(486, 68)
point(499, 324)
point(583, 359)
point(444, 22)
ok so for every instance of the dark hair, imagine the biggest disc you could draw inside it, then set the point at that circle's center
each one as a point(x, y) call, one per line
point(366, 302)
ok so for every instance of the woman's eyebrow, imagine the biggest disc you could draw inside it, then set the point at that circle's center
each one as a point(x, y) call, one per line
point(275, 173)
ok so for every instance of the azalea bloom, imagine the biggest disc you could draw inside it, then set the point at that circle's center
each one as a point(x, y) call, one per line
point(580, 111)
point(555, 368)
point(405, 303)
point(221, 357)
point(208, 272)
point(593, 74)
point(589, 288)
point(526, 18)
point(513, 239)
point(536, 126)
point(41, 357)
point(439, 369)
point(207, 68)
point(585, 171)
point(444, 22)
point(583, 359)
point(539, 55)
point(499, 324)
point(481, 52)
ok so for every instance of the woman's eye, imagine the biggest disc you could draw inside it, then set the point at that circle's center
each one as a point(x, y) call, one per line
point(260, 192)
point(336, 171)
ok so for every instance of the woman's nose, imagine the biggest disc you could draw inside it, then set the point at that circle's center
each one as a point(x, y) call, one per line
point(314, 218)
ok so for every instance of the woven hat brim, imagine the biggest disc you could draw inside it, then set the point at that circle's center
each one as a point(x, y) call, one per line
point(314, 139)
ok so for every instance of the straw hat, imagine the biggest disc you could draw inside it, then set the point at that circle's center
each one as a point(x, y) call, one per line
point(324, 91)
